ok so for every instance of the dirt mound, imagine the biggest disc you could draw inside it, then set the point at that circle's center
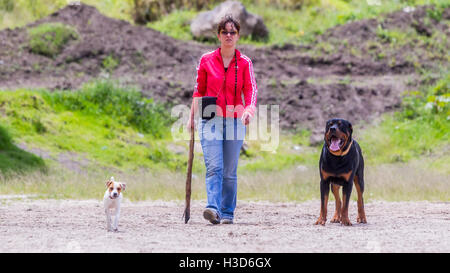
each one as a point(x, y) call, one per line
point(351, 71)
point(145, 57)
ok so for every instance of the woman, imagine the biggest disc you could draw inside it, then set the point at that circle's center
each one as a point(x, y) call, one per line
point(226, 74)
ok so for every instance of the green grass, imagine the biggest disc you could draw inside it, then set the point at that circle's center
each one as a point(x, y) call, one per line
point(409, 44)
point(288, 25)
point(125, 105)
point(50, 38)
point(406, 153)
point(110, 126)
point(412, 181)
point(391, 36)
point(293, 151)
point(61, 183)
point(421, 129)
point(176, 24)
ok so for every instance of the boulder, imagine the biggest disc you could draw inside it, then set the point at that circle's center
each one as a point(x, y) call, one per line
point(205, 24)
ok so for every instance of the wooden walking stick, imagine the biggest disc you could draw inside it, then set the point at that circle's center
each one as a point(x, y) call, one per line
point(187, 209)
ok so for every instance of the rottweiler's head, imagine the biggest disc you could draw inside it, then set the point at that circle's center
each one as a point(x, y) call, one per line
point(338, 135)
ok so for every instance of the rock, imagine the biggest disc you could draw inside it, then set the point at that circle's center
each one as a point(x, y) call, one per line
point(297, 148)
point(205, 24)
point(316, 138)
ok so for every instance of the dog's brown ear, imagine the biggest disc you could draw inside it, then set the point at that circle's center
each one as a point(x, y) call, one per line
point(108, 183)
point(123, 185)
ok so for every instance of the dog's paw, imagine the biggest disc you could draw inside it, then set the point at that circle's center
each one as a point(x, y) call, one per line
point(321, 221)
point(336, 219)
point(361, 220)
point(345, 221)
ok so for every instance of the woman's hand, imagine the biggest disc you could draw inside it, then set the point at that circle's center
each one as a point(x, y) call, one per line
point(248, 114)
point(191, 124)
point(246, 118)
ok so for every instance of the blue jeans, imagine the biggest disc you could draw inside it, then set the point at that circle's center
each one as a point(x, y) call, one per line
point(221, 140)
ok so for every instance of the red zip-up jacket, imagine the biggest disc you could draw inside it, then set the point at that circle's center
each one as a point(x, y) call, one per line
point(212, 80)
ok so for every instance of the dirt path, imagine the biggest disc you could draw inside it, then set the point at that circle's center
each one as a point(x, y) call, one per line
point(79, 226)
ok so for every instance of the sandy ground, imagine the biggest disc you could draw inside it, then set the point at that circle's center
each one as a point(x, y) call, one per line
point(28, 225)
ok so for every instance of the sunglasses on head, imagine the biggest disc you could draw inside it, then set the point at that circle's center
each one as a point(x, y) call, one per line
point(225, 33)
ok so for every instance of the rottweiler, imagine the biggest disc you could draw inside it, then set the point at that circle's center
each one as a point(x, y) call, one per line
point(341, 164)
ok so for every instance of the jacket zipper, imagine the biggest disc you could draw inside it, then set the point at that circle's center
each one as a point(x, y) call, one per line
point(224, 86)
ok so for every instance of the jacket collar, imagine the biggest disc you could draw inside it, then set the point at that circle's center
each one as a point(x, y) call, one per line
point(219, 56)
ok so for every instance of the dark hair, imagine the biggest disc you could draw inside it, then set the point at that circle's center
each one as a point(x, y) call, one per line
point(228, 19)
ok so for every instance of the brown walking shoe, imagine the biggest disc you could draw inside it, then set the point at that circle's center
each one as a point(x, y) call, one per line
point(211, 216)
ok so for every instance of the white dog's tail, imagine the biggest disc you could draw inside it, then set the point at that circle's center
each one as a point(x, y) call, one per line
point(112, 178)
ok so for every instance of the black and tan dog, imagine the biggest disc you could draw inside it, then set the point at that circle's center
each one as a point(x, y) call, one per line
point(341, 164)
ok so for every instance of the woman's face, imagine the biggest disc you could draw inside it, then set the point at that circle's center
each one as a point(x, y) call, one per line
point(229, 36)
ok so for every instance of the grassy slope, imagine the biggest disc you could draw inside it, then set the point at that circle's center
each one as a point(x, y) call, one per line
point(13, 159)
point(398, 162)
point(97, 121)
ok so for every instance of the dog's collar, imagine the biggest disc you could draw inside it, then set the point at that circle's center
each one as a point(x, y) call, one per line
point(348, 149)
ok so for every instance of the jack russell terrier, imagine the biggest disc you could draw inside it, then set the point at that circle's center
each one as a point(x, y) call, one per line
point(112, 200)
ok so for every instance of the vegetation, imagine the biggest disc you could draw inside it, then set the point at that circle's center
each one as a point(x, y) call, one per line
point(421, 129)
point(296, 21)
point(106, 130)
point(105, 124)
point(110, 63)
point(99, 126)
point(14, 160)
point(49, 38)
point(179, 18)
point(125, 106)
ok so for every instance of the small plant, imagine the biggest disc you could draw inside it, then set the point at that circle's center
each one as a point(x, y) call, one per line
point(110, 63)
point(49, 39)
point(384, 34)
point(38, 126)
point(435, 14)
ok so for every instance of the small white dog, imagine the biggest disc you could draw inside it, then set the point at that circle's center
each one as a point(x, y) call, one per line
point(112, 200)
